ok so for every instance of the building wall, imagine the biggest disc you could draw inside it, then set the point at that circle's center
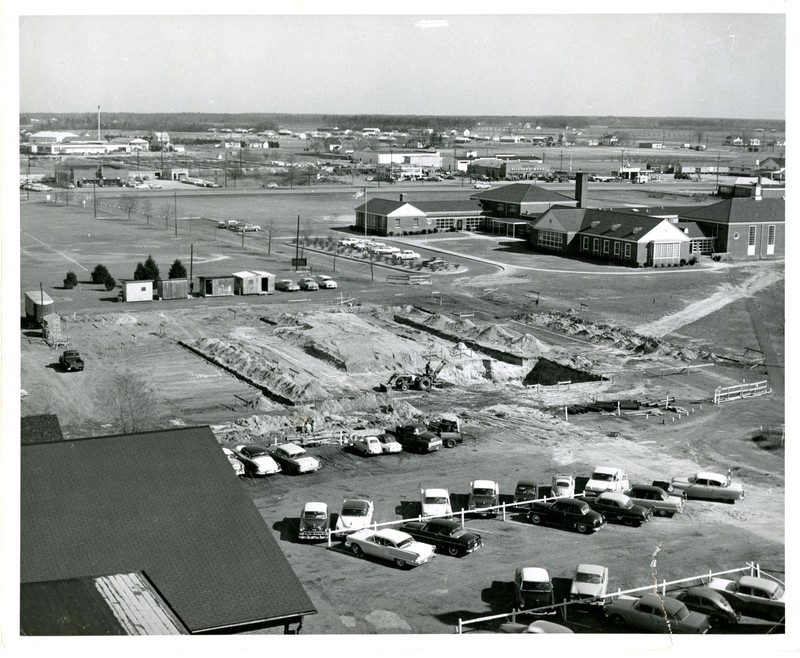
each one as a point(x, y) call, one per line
point(736, 239)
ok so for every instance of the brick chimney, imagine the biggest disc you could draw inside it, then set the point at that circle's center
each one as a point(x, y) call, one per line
point(581, 189)
point(402, 198)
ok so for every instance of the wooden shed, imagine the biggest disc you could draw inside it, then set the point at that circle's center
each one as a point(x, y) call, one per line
point(137, 291)
point(216, 286)
point(173, 288)
point(246, 283)
point(266, 282)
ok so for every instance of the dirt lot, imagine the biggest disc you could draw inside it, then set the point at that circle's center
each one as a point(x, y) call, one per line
point(235, 365)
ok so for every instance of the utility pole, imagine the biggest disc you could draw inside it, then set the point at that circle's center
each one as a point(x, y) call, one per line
point(297, 245)
point(94, 195)
point(191, 267)
point(176, 213)
point(28, 179)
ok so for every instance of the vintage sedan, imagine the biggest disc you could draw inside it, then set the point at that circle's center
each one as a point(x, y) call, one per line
point(526, 490)
point(538, 626)
point(655, 614)
point(314, 522)
point(390, 544)
point(368, 445)
point(446, 535)
point(238, 467)
point(257, 460)
point(390, 444)
point(710, 486)
point(286, 285)
point(294, 459)
point(563, 485)
point(753, 596)
point(356, 514)
point(308, 284)
point(656, 499)
point(325, 282)
point(533, 588)
point(435, 502)
point(589, 582)
point(618, 508)
point(708, 602)
point(567, 513)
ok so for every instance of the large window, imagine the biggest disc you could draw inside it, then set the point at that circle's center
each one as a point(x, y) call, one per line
point(666, 250)
point(605, 246)
point(627, 250)
point(596, 245)
point(771, 235)
point(585, 243)
point(550, 240)
point(616, 248)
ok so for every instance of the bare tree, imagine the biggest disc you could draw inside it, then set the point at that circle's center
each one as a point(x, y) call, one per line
point(147, 208)
point(128, 402)
point(235, 174)
point(305, 236)
point(700, 136)
point(128, 204)
point(269, 232)
point(166, 212)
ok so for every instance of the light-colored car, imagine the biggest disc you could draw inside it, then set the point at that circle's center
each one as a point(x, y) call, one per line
point(228, 223)
point(606, 478)
point(325, 282)
point(710, 486)
point(308, 284)
point(753, 596)
point(257, 460)
point(390, 444)
point(532, 588)
point(589, 582)
point(407, 254)
point(314, 521)
point(538, 626)
point(294, 459)
point(435, 502)
point(563, 485)
point(238, 466)
point(390, 544)
point(356, 514)
point(656, 499)
point(368, 445)
point(385, 250)
point(286, 285)
point(482, 186)
point(655, 614)
point(250, 228)
point(484, 493)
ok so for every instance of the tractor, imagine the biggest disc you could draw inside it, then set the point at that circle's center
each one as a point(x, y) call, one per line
point(423, 382)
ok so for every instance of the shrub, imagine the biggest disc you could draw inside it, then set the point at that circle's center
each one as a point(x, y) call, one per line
point(71, 280)
point(99, 274)
point(109, 283)
point(683, 262)
point(436, 230)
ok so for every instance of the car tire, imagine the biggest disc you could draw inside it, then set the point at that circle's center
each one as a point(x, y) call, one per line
point(450, 443)
point(617, 620)
point(455, 552)
point(536, 519)
point(582, 528)
point(629, 522)
point(356, 550)
point(400, 563)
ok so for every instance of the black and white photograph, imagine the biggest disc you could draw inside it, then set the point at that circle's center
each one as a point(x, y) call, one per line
point(370, 325)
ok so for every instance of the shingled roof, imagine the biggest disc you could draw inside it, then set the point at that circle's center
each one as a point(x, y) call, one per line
point(166, 503)
point(521, 193)
point(740, 210)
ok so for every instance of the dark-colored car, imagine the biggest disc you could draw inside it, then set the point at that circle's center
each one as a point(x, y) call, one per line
point(655, 614)
point(753, 596)
point(708, 602)
point(533, 588)
point(447, 536)
point(417, 438)
point(618, 508)
point(567, 513)
point(658, 500)
point(526, 490)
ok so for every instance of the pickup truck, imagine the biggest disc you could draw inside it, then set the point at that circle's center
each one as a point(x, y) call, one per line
point(607, 478)
point(448, 429)
point(417, 438)
point(71, 360)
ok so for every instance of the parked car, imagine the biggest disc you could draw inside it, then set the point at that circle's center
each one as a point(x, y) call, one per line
point(416, 438)
point(71, 360)
point(538, 626)
point(447, 428)
point(606, 478)
point(567, 513)
point(656, 499)
point(753, 596)
point(257, 460)
point(238, 467)
point(435, 263)
point(526, 489)
point(435, 502)
point(484, 493)
point(385, 250)
point(589, 582)
point(269, 186)
point(390, 544)
point(655, 614)
point(249, 228)
point(325, 282)
point(308, 284)
point(356, 514)
point(407, 254)
point(710, 486)
point(314, 522)
point(286, 285)
point(563, 485)
point(228, 223)
point(294, 459)
point(482, 186)
point(618, 508)
point(368, 445)
point(708, 602)
point(390, 444)
point(532, 588)
point(447, 536)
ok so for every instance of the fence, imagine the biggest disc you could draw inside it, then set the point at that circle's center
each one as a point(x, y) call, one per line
point(409, 279)
point(754, 569)
point(740, 391)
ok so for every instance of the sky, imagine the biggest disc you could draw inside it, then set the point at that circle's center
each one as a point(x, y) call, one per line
point(624, 64)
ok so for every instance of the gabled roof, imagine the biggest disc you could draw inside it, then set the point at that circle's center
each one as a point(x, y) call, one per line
point(521, 193)
point(380, 206)
point(454, 205)
point(781, 162)
point(568, 220)
point(623, 226)
point(41, 428)
point(740, 210)
point(694, 230)
point(166, 503)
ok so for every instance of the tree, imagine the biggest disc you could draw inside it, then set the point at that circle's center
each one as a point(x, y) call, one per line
point(140, 274)
point(100, 274)
point(235, 174)
point(128, 402)
point(152, 269)
point(110, 283)
point(147, 208)
point(128, 204)
point(269, 232)
point(177, 271)
point(165, 212)
point(71, 280)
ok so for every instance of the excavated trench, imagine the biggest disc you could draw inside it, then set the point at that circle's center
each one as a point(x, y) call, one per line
point(550, 373)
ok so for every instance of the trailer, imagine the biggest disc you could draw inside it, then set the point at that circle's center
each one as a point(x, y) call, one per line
point(37, 305)
point(134, 290)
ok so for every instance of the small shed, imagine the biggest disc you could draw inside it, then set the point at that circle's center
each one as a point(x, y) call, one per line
point(216, 286)
point(37, 305)
point(245, 283)
point(173, 288)
point(137, 291)
point(53, 330)
point(266, 282)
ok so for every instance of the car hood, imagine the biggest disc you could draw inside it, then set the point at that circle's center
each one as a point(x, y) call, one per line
point(599, 485)
point(265, 461)
point(307, 462)
point(435, 510)
point(352, 522)
point(313, 523)
point(586, 589)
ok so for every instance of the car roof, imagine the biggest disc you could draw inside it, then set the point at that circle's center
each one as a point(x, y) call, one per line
point(607, 469)
point(708, 475)
point(394, 535)
point(534, 574)
point(484, 484)
point(669, 604)
point(591, 568)
point(436, 492)
point(526, 483)
point(356, 503)
point(646, 487)
point(618, 497)
point(759, 583)
point(249, 446)
point(227, 451)
point(291, 448)
point(544, 626)
point(447, 523)
point(706, 592)
point(315, 507)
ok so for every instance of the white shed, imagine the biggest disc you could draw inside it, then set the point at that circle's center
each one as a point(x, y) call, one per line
point(245, 283)
point(137, 291)
point(266, 282)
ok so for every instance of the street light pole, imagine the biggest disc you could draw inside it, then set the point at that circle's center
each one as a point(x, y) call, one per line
point(94, 195)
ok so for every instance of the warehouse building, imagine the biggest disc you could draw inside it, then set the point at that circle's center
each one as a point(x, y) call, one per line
point(387, 217)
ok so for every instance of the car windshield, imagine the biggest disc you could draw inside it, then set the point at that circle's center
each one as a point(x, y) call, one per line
point(483, 492)
point(436, 500)
point(315, 515)
point(681, 613)
point(255, 451)
point(603, 477)
point(593, 578)
point(562, 483)
point(354, 511)
point(627, 504)
point(526, 490)
point(536, 587)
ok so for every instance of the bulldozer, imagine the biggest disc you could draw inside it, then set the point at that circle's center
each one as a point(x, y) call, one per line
point(422, 381)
